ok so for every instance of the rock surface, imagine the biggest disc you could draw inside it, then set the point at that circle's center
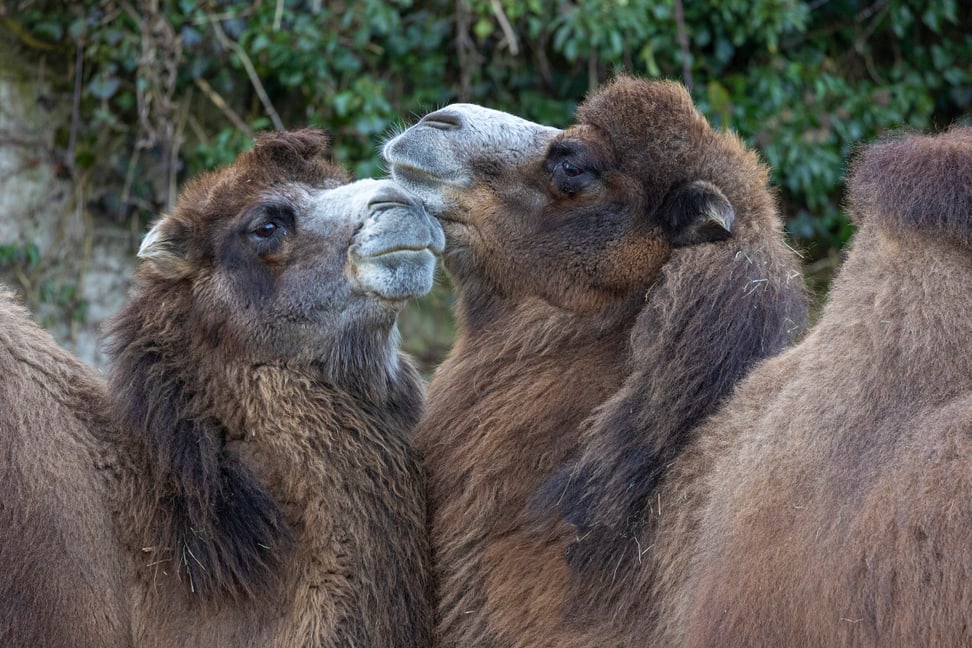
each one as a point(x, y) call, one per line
point(69, 267)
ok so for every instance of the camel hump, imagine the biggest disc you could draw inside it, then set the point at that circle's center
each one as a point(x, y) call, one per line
point(916, 182)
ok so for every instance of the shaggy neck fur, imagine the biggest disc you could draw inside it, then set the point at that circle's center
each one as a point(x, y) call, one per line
point(266, 482)
point(547, 434)
point(558, 365)
point(517, 393)
point(216, 524)
point(535, 350)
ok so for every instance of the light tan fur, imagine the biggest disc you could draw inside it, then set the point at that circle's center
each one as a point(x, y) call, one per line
point(828, 504)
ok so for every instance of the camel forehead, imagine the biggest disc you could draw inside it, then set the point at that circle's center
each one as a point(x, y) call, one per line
point(345, 204)
point(334, 202)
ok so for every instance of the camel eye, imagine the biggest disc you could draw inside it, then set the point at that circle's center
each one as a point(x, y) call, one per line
point(570, 170)
point(570, 180)
point(265, 230)
point(266, 226)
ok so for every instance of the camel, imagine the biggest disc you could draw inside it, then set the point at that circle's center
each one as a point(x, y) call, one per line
point(561, 245)
point(828, 503)
point(244, 476)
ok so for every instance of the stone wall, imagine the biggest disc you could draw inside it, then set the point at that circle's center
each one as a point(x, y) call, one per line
point(69, 266)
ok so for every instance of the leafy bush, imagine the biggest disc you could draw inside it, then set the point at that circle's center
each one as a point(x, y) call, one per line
point(802, 81)
point(169, 87)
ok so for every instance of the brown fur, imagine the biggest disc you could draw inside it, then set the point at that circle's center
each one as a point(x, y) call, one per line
point(61, 584)
point(553, 278)
point(828, 504)
point(246, 479)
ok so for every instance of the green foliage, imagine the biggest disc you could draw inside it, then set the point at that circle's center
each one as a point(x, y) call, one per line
point(163, 80)
point(23, 262)
point(802, 81)
point(852, 72)
point(23, 256)
point(171, 87)
point(66, 297)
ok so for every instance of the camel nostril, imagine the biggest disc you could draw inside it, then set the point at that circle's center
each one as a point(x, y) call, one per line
point(443, 120)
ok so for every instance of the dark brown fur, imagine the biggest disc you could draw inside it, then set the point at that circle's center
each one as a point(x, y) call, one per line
point(553, 279)
point(828, 504)
point(246, 479)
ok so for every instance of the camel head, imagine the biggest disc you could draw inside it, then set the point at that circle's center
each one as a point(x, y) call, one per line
point(580, 217)
point(277, 257)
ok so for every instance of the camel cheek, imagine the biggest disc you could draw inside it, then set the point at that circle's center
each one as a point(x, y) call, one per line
point(635, 262)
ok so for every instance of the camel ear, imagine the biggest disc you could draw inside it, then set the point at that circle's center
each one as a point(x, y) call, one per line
point(696, 212)
point(165, 248)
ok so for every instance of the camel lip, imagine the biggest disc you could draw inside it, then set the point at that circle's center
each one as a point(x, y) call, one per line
point(394, 198)
point(411, 175)
point(401, 249)
point(396, 273)
point(392, 204)
point(429, 186)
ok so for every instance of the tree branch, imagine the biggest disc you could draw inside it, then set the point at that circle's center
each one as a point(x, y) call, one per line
point(683, 45)
point(224, 107)
point(24, 36)
point(505, 25)
point(250, 71)
point(75, 105)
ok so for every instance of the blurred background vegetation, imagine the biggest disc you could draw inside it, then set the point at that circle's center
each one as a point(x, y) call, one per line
point(161, 89)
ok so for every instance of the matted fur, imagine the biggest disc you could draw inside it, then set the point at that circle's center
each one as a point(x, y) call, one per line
point(828, 504)
point(661, 341)
point(236, 484)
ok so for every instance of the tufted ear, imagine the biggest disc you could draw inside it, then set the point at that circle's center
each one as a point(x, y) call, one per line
point(696, 212)
point(166, 247)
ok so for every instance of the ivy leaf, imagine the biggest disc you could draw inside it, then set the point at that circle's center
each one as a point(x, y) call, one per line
point(104, 87)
